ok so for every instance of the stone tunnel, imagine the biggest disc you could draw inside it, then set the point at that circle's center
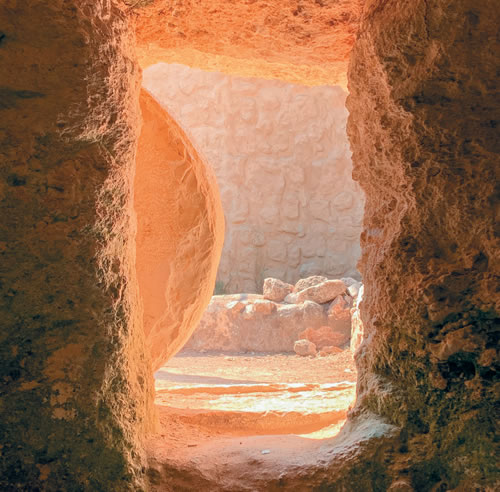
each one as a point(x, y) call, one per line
point(97, 179)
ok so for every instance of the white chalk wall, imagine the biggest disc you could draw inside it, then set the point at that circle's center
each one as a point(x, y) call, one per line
point(283, 164)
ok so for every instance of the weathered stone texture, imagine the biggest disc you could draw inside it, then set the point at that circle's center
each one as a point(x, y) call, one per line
point(306, 41)
point(283, 165)
point(304, 348)
point(357, 327)
point(324, 336)
point(249, 323)
point(322, 292)
point(423, 125)
point(275, 289)
point(180, 232)
point(75, 380)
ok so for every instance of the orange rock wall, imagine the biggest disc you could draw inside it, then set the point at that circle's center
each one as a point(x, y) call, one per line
point(76, 386)
point(180, 232)
point(300, 41)
point(75, 376)
point(283, 165)
point(423, 126)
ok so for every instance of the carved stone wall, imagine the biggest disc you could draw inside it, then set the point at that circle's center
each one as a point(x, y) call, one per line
point(283, 165)
point(75, 377)
point(76, 386)
point(424, 130)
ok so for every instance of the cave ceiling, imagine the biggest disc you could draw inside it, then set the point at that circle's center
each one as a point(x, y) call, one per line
point(300, 41)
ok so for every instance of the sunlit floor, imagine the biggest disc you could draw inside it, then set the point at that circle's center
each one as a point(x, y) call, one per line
point(230, 420)
point(259, 394)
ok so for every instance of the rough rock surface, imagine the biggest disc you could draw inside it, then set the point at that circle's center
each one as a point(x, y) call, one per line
point(305, 283)
point(325, 336)
point(357, 327)
point(424, 130)
point(180, 232)
point(291, 298)
point(76, 383)
point(283, 165)
point(340, 308)
point(275, 289)
point(323, 292)
point(306, 42)
point(304, 348)
point(250, 323)
point(353, 289)
point(74, 369)
point(348, 281)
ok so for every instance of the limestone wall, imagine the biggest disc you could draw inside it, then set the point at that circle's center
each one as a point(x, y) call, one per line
point(283, 165)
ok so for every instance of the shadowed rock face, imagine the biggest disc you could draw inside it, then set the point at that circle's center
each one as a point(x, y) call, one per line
point(422, 125)
point(75, 380)
point(301, 41)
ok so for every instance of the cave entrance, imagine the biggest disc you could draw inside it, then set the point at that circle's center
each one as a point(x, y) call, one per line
point(282, 161)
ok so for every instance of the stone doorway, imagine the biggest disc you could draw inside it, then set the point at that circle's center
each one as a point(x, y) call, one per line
point(238, 389)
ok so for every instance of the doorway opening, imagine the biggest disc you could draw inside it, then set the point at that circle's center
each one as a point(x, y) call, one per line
point(270, 365)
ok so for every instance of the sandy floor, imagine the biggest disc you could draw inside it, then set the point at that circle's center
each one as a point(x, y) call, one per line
point(198, 368)
point(263, 393)
point(224, 410)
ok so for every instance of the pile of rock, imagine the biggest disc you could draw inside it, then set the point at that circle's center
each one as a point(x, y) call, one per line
point(315, 311)
point(338, 294)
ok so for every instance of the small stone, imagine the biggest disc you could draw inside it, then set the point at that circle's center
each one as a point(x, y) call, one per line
point(235, 307)
point(309, 282)
point(339, 309)
point(354, 289)
point(249, 311)
point(348, 300)
point(323, 292)
point(304, 348)
point(264, 307)
point(276, 290)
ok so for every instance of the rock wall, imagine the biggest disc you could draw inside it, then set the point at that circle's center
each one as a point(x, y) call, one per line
point(283, 166)
point(76, 386)
point(300, 41)
point(423, 125)
point(75, 376)
point(180, 232)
